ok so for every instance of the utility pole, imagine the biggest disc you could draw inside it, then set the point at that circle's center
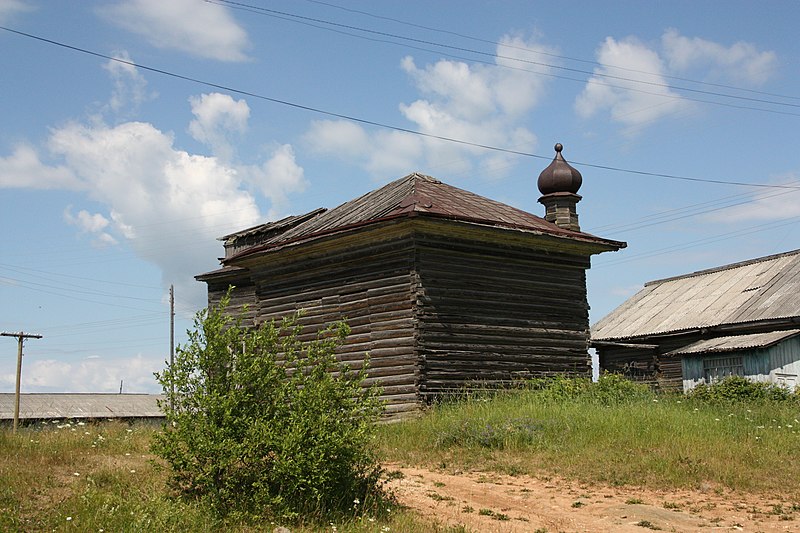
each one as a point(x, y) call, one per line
point(20, 340)
point(171, 345)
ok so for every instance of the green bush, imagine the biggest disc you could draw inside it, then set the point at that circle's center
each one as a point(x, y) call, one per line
point(262, 424)
point(734, 389)
point(609, 389)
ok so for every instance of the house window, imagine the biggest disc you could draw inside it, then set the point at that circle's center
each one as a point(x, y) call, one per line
point(714, 369)
point(786, 380)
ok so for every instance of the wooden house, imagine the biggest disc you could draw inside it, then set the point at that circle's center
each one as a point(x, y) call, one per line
point(739, 319)
point(441, 287)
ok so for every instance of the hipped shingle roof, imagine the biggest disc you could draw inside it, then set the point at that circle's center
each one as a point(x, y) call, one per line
point(413, 195)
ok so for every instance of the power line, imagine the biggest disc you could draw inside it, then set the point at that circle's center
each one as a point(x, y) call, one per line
point(26, 270)
point(271, 12)
point(542, 52)
point(384, 125)
point(692, 244)
point(670, 96)
point(680, 213)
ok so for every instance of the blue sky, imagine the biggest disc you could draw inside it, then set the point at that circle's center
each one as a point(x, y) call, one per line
point(116, 179)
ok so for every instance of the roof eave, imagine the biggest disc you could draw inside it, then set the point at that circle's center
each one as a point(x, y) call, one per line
point(788, 322)
point(584, 238)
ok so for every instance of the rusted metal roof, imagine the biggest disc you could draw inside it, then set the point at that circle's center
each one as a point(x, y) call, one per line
point(413, 195)
point(737, 342)
point(33, 406)
point(762, 289)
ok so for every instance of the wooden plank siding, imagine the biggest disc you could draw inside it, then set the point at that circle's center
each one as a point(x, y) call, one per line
point(490, 314)
point(371, 288)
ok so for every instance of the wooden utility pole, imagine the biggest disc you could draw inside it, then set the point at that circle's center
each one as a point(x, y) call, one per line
point(20, 340)
point(171, 345)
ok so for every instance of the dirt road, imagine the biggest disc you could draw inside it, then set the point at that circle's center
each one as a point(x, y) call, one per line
point(496, 503)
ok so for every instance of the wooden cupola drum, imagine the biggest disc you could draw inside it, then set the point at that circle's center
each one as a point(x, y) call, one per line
point(559, 184)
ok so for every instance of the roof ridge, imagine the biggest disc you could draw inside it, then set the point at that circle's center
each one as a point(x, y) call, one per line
point(723, 268)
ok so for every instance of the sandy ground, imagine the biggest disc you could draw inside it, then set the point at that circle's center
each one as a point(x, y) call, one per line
point(497, 503)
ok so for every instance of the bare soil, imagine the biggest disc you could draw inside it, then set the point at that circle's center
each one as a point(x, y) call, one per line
point(487, 502)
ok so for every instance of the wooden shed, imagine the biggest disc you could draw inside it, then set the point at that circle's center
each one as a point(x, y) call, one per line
point(772, 357)
point(739, 319)
point(81, 406)
point(442, 288)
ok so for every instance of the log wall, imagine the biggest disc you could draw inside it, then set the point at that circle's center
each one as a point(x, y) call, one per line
point(437, 306)
point(368, 286)
point(489, 314)
point(636, 364)
point(242, 297)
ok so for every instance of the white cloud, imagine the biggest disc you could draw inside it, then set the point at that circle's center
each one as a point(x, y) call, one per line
point(741, 62)
point(130, 87)
point(764, 207)
point(24, 169)
point(9, 8)
point(170, 204)
point(638, 91)
point(478, 103)
point(628, 102)
point(340, 138)
point(216, 117)
point(201, 29)
point(91, 224)
point(91, 374)
point(86, 221)
point(276, 178)
point(394, 154)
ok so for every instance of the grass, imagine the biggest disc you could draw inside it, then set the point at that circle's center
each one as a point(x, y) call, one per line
point(93, 477)
point(653, 441)
point(102, 477)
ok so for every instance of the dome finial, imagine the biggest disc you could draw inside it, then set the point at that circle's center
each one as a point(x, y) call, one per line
point(559, 176)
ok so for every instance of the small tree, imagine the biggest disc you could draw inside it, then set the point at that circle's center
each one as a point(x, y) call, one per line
point(260, 423)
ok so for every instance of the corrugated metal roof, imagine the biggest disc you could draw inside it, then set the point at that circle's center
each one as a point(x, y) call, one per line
point(414, 194)
point(68, 405)
point(760, 289)
point(737, 342)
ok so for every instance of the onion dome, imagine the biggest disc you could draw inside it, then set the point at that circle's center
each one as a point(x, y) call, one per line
point(559, 176)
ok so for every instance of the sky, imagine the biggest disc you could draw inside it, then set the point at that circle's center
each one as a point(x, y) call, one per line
point(134, 134)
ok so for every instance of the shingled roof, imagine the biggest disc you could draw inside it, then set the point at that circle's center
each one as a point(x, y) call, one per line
point(413, 195)
point(752, 291)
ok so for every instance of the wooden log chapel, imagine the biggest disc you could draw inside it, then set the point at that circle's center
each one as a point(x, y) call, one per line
point(441, 287)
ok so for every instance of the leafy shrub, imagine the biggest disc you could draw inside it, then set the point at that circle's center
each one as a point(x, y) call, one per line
point(733, 389)
point(259, 423)
point(610, 389)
